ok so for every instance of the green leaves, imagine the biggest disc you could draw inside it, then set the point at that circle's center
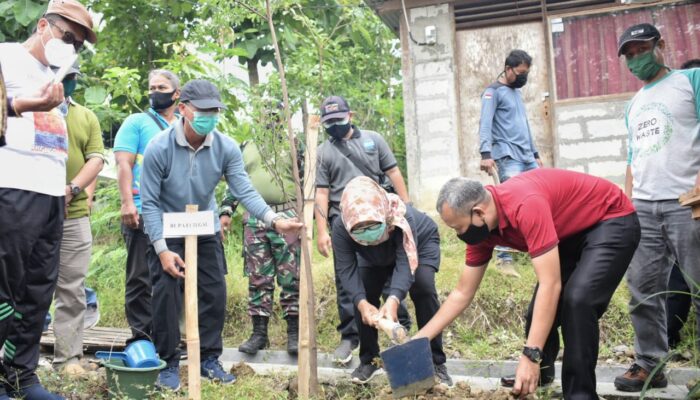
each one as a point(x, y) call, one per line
point(27, 11)
point(95, 95)
point(17, 18)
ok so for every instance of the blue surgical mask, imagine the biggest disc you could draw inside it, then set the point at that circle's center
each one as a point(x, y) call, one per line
point(369, 235)
point(204, 123)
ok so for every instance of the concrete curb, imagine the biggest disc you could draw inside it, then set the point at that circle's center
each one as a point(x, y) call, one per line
point(482, 374)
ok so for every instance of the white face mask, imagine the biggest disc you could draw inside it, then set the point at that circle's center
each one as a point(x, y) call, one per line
point(57, 52)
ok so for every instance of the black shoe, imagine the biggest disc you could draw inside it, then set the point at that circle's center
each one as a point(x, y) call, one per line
point(509, 380)
point(259, 339)
point(343, 353)
point(292, 335)
point(365, 372)
point(634, 378)
point(443, 376)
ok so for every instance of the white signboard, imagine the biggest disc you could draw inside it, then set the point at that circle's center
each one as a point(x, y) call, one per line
point(188, 224)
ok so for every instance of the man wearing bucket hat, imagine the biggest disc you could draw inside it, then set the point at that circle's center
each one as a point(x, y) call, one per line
point(183, 165)
point(663, 124)
point(85, 161)
point(32, 197)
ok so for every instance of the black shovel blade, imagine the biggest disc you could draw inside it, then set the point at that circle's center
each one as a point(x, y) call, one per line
point(409, 367)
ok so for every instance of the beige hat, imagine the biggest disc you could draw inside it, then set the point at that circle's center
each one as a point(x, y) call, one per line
point(72, 10)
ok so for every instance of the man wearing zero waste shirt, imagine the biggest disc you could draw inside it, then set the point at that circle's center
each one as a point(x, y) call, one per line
point(580, 231)
point(32, 193)
point(663, 124)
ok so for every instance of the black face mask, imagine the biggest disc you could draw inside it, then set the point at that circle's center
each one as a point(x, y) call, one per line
point(160, 100)
point(474, 234)
point(520, 81)
point(338, 131)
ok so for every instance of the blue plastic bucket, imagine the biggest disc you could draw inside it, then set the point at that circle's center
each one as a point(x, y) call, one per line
point(139, 354)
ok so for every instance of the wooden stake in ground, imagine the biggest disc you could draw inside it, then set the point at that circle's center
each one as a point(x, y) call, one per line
point(194, 389)
point(308, 373)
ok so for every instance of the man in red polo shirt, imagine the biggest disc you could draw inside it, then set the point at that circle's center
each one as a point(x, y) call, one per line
point(580, 231)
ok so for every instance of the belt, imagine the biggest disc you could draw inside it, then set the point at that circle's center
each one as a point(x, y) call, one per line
point(283, 207)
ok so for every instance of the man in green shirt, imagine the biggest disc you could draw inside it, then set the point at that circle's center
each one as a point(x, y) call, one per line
point(85, 161)
point(268, 254)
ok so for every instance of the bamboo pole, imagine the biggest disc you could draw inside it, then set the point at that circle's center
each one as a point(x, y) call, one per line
point(307, 367)
point(192, 314)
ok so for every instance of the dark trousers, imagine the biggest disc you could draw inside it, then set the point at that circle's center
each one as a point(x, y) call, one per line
point(592, 265)
point(423, 295)
point(137, 295)
point(346, 310)
point(677, 306)
point(31, 226)
point(168, 296)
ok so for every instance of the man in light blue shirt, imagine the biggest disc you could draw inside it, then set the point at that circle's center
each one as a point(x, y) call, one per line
point(129, 145)
point(505, 139)
point(182, 165)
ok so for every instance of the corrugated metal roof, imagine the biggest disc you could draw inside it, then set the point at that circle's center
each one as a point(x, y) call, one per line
point(471, 14)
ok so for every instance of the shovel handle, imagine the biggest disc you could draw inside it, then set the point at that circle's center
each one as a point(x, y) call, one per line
point(394, 330)
point(494, 175)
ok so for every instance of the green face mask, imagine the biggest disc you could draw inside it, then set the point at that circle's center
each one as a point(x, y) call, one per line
point(69, 86)
point(370, 234)
point(204, 123)
point(644, 66)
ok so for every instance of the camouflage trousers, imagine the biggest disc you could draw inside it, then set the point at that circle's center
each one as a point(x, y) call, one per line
point(267, 255)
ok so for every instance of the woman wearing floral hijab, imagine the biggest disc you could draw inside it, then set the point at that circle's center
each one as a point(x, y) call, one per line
point(380, 239)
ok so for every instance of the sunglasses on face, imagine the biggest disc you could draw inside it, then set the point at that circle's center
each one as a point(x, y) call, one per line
point(68, 37)
point(333, 122)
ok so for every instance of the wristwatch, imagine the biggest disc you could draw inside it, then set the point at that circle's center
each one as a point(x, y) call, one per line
point(225, 210)
point(74, 189)
point(274, 221)
point(533, 353)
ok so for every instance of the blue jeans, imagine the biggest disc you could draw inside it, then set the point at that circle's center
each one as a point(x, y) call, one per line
point(508, 168)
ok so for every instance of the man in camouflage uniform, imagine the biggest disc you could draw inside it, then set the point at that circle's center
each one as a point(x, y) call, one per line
point(268, 254)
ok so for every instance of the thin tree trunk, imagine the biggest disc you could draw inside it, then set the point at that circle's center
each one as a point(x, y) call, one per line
point(307, 367)
point(253, 76)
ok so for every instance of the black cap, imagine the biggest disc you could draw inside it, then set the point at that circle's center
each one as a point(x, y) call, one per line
point(202, 94)
point(639, 32)
point(334, 107)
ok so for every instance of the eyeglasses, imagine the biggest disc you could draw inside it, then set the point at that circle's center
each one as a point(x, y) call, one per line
point(366, 228)
point(68, 37)
point(343, 121)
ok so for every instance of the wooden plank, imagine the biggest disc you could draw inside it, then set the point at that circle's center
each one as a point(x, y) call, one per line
point(194, 389)
point(690, 198)
point(94, 339)
point(307, 361)
point(310, 175)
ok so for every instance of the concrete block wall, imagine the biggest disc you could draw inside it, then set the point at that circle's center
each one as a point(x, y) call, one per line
point(592, 138)
point(430, 104)
point(481, 54)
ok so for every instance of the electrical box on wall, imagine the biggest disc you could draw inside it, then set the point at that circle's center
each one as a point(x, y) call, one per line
point(430, 34)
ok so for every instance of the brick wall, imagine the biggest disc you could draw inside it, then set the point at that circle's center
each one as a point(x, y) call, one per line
point(591, 138)
point(430, 104)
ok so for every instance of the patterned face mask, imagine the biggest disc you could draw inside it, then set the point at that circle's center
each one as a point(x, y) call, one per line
point(363, 202)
